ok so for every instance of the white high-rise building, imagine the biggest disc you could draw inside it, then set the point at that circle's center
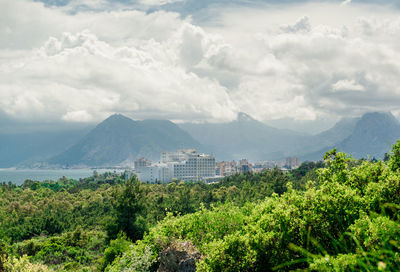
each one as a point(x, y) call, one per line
point(149, 174)
point(184, 164)
point(157, 173)
point(196, 167)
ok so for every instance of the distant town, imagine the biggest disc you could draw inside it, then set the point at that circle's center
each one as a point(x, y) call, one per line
point(190, 165)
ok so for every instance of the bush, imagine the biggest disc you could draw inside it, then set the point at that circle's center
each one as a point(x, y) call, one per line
point(350, 222)
point(133, 261)
point(23, 264)
point(117, 248)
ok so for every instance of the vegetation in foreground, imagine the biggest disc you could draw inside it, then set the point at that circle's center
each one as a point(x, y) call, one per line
point(340, 215)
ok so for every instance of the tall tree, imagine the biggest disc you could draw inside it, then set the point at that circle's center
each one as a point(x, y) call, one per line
point(127, 208)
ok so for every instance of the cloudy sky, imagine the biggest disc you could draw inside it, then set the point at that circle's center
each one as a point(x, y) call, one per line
point(78, 61)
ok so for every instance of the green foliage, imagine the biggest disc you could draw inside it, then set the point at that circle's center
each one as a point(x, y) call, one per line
point(37, 218)
point(336, 215)
point(3, 257)
point(23, 264)
point(305, 168)
point(375, 233)
point(26, 213)
point(133, 261)
point(128, 207)
point(77, 249)
point(350, 222)
point(116, 248)
point(394, 158)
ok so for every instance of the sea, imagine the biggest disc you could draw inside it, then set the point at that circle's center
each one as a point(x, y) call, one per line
point(18, 176)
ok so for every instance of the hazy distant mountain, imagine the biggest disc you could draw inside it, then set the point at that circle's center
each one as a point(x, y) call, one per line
point(373, 134)
point(246, 138)
point(18, 149)
point(340, 131)
point(118, 139)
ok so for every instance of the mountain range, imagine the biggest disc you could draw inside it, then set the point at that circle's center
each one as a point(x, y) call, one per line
point(119, 140)
point(373, 134)
point(245, 137)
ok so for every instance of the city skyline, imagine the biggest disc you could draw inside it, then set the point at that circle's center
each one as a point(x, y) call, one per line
point(190, 165)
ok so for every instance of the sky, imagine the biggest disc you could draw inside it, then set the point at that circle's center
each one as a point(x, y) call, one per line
point(291, 63)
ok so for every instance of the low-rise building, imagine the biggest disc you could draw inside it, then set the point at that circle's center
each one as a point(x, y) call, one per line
point(142, 162)
point(292, 162)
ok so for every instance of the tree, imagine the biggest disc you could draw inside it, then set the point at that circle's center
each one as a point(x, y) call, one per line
point(3, 257)
point(127, 209)
point(386, 157)
point(394, 159)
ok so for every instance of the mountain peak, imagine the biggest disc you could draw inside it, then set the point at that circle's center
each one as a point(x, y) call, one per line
point(374, 134)
point(116, 121)
point(244, 117)
point(384, 117)
point(119, 138)
point(117, 117)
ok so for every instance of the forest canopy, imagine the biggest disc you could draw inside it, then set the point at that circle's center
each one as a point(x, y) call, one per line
point(337, 215)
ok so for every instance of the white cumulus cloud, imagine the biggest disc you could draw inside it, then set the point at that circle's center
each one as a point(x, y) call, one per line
point(158, 2)
point(77, 116)
point(347, 85)
point(299, 62)
point(346, 2)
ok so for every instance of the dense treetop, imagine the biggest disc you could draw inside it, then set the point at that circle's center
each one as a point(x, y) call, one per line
point(340, 214)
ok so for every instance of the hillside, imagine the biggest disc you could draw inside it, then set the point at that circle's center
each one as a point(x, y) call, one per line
point(248, 138)
point(340, 131)
point(20, 149)
point(118, 139)
point(372, 135)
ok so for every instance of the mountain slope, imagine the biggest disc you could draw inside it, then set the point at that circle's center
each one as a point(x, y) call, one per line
point(118, 139)
point(247, 138)
point(340, 131)
point(373, 135)
point(18, 149)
